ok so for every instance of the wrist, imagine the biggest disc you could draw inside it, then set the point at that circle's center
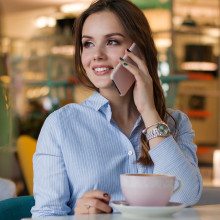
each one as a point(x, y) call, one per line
point(150, 118)
point(161, 130)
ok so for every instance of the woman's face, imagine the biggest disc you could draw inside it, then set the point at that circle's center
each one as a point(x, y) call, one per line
point(104, 40)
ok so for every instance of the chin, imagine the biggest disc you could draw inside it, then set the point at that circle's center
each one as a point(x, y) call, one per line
point(103, 85)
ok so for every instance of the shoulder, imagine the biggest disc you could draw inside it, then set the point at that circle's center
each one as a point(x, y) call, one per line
point(71, 110)
point(64, 119)
point(179, 118)
point(177, 114)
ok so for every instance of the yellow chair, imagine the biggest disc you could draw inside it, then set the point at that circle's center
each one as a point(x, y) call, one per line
point(26, 147)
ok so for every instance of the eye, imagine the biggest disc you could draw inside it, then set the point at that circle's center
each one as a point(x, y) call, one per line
point(88, 44)
point(112, 42)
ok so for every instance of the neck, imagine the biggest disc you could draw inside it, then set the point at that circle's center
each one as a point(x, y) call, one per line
point(124, 111)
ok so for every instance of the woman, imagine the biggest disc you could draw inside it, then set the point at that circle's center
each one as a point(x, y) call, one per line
point(83, 148)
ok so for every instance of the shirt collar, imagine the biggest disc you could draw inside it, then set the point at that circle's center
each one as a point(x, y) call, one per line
point(97, 101)
point(100, 103)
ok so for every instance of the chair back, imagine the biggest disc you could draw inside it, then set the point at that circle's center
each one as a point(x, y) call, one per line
point(16, 208)
point(26, 147)
point(7, 189)
point(210, 196)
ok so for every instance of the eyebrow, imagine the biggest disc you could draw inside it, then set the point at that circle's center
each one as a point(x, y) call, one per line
point(107, 35)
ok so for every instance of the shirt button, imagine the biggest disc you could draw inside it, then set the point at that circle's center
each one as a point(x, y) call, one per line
point(130, 152)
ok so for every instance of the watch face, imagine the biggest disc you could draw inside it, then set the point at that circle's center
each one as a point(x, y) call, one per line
point(163, 129)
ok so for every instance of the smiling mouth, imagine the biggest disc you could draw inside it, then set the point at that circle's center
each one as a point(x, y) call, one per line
point(101, 69)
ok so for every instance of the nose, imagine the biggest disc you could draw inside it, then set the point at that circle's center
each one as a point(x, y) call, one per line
point(99, 53)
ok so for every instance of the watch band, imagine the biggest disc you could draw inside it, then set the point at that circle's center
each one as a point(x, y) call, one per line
point(162, 130)
point(144, 131)
point(153, 133)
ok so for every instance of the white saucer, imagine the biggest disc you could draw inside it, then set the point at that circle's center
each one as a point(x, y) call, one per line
point(142, 211)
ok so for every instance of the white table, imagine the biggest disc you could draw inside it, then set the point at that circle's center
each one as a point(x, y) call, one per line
point(208, 212)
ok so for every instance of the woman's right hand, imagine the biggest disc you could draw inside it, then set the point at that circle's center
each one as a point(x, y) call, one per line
point(93, 202)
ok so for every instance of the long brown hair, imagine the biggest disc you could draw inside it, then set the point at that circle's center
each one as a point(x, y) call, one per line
point(138, 29)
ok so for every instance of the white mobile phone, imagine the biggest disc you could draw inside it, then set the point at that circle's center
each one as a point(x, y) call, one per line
point(121, 77)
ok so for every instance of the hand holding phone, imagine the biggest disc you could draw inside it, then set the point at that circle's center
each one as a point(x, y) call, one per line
point(121, 77)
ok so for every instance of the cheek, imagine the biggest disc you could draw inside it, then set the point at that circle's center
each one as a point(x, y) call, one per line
point(85, 58)
point(115, 58)
point(118, 53)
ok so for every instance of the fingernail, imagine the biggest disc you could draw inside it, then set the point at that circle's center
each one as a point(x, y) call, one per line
point(128, 50)
point(105, 194)
point(125, 64)
point(121, 59)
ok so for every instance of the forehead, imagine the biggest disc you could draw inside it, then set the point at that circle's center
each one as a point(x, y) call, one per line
point(102, 22)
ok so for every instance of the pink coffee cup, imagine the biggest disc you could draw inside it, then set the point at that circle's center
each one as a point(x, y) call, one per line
point(148, 189)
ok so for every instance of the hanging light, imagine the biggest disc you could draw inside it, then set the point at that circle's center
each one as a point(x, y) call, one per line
point(199, 58)
point(199, 66)
point(44, 21)
point(74, 8)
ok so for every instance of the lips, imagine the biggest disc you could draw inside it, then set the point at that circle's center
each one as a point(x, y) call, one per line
point(101, 70)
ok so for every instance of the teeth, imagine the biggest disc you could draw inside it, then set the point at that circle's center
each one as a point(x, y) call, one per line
point(101, 69)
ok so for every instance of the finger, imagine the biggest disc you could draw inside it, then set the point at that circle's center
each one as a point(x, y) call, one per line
point(80, 210)
point(94, 203)
point(140, 63)
point(99, 207)
point(98, 195)
point(99, 204)
point(138, 73)
point(80, 207)
point(93, 210)
point(132, 69)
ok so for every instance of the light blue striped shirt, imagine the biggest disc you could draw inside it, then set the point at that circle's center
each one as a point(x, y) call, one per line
point(80, 148)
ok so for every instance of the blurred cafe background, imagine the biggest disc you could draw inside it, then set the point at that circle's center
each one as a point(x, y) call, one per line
point(37, 75)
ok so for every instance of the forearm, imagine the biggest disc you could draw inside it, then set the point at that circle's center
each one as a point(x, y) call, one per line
point(151, 118)
point(168, 158)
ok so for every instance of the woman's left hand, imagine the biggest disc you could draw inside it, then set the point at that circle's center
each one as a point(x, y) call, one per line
point(143, 89)
point(93, 202)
